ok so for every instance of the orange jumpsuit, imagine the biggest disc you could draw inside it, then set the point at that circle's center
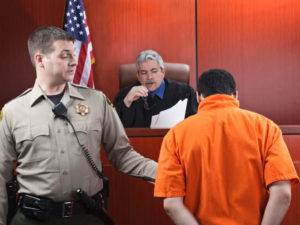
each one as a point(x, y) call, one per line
point(221, 160)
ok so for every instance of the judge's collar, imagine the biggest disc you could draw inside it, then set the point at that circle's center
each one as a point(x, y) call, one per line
point(159, 91)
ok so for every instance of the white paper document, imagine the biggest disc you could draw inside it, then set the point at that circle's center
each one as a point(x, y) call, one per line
point(169, 117)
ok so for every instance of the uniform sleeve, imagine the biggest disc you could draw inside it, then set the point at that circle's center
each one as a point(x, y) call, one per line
point(192, 105)
point(119, 151)
point(7, 157)
point(127, 115)
point(170, 178)
point(278, 163)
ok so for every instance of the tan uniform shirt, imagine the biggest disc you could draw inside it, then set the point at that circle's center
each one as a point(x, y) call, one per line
point(50, 160)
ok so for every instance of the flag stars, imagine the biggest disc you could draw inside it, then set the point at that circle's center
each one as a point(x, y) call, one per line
point(75, 20)
point(70, 3)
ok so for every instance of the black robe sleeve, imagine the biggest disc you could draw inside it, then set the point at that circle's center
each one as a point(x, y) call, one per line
point(192, 105)
point(126, 114)
point(134, 116)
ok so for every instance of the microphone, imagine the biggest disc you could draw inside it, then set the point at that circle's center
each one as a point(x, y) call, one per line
point(60, 110)
point(146, 104)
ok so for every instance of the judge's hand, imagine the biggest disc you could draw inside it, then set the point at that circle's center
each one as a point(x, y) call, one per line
point(134, 94)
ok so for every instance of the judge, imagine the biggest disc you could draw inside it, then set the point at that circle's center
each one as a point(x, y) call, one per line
point(152, 93)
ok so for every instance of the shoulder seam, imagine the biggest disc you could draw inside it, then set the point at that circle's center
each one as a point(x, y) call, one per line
point(79, 86)
point(25, 92)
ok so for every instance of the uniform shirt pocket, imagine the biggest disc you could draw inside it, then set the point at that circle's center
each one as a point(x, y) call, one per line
point(89, 135)
point(41, 142)
point(33, 142)
point(80, 129)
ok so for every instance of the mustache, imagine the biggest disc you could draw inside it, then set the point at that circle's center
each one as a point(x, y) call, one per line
point(150, 82)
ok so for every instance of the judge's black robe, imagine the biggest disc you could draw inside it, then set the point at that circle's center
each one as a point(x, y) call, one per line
point(139, 115)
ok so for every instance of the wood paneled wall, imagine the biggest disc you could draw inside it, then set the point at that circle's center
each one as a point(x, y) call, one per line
point(18, 20)
point(258, 41)
point(119, 29)
point(126, 27)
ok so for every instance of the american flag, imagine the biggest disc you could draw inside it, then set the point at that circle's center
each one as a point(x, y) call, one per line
point(75, 23)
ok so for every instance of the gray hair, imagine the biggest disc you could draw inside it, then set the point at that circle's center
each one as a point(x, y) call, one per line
point(149, 55)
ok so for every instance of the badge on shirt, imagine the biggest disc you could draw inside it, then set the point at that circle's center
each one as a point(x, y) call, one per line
point(82, 109)
point(1, 115)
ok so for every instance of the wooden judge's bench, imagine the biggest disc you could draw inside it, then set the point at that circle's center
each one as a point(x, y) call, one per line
point(131, 200)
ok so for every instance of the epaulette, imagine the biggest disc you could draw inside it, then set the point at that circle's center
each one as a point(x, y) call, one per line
point(78, 85)
point(108, 102)
point(25, 92)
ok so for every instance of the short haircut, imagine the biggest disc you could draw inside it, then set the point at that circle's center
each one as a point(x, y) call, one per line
point(41, 40)
point(216, 81)
point(149, 55)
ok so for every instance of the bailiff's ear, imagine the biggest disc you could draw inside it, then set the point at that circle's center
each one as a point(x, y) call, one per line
point(38, 58)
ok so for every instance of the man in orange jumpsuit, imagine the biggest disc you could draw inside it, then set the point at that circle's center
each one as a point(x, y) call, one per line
point(224, 165)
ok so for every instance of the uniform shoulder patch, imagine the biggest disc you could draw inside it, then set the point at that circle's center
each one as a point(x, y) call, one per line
point(108, 102)
point(1, 115)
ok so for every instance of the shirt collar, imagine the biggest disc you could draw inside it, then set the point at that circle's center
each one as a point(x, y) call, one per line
point(159, 91)
point(218, 101)
point(38, 94)
point(73, 91)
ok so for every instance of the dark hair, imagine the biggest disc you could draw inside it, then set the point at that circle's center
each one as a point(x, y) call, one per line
point(216, 81)
point(41, 40)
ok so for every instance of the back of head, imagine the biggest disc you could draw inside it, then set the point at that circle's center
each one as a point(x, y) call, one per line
point(41, 40)
point(216, 81)
point(149, 55)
